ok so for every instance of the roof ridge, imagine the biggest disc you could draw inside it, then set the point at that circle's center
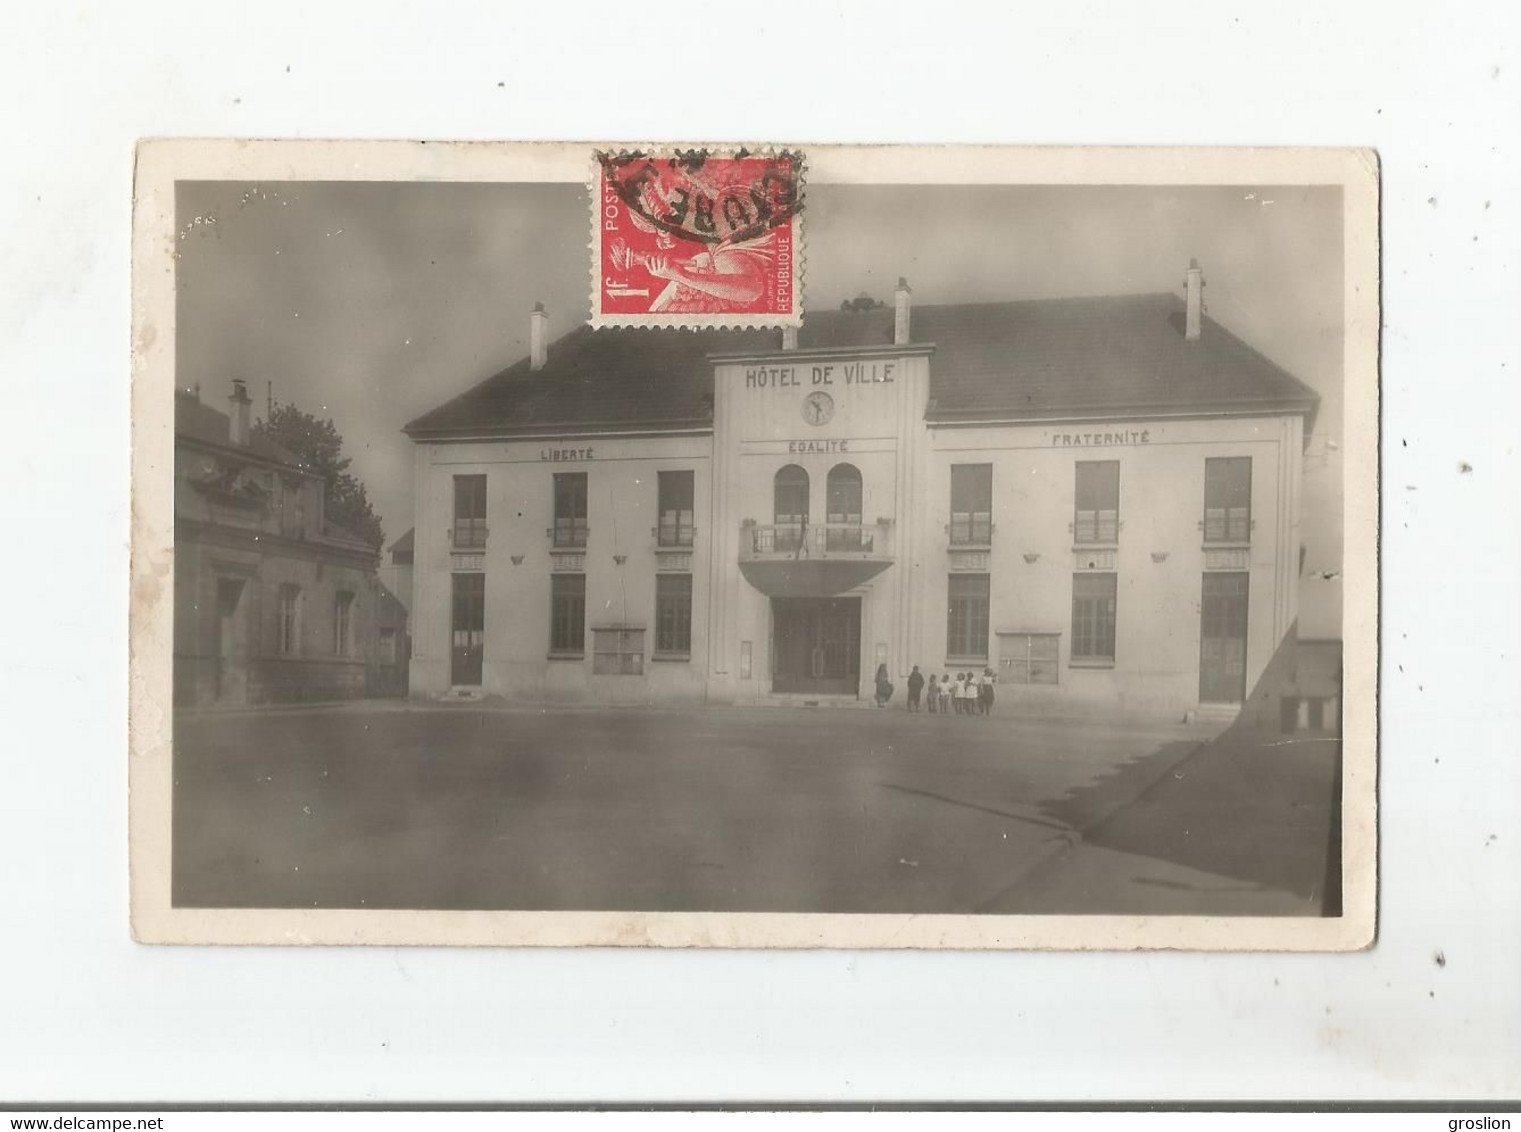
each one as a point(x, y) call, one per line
point(1119, 351)
point(1106, 297)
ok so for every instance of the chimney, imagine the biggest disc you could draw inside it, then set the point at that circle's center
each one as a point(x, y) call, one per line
point(1193, 289)
point(789, 338)
point(538, 333)
point(900, 312)
point(238, 432)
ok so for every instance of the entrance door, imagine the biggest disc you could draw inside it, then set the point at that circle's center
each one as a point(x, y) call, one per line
point(230, 677)
point(817, 645)
point(1222, 639)
point(469, 622)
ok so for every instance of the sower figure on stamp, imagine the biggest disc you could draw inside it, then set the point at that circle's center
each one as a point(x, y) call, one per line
point(706, 282)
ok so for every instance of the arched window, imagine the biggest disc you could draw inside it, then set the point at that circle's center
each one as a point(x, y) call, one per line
point(791, 495)
point(843, 509)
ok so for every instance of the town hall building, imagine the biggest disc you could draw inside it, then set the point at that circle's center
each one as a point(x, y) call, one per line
point(1096, 498)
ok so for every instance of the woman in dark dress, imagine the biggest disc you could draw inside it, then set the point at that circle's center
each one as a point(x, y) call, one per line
point(884, 688)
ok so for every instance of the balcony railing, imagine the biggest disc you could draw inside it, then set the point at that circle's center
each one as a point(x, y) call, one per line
point(1227, 524)
point(970, 529)
point(674, 535)
point(468, 534)
point(568, 533)
point(815, 540)
point(1100, 528)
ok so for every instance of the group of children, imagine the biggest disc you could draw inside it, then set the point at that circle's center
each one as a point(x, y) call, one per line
point(966, 693)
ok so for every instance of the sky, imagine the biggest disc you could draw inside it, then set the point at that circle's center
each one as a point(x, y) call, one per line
point(371, 303)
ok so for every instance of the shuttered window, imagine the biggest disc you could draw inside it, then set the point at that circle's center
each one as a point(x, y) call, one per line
point(1228, 499)
point(675, 500)
point(673, 614)
point(971, 504)
point(966, 630)
point(469, 512)
point(567, 614)
point(1097, 518)
point(570, 509)
point(1093, 610)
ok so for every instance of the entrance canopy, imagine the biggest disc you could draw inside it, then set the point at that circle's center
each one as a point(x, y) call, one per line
point(792, 558)
point(810, 577)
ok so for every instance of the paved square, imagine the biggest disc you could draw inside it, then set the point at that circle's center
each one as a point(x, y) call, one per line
point(713, 809)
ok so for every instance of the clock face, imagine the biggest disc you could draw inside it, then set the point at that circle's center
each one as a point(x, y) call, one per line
point(818, 408)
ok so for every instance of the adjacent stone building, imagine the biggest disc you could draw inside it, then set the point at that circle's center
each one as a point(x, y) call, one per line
point(273, 603)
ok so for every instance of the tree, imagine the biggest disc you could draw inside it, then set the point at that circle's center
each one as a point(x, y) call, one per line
point(318, 448)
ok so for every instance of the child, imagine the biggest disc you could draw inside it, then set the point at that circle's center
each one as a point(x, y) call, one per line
point(985, 692)
point(945, 694)
point(932, 694)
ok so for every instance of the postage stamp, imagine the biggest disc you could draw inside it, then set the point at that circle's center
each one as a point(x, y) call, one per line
point(697, 238)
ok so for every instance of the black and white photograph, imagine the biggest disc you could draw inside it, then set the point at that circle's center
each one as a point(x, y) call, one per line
point(1003, 602)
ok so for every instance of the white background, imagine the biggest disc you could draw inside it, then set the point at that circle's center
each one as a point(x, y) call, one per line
point(89, 1015)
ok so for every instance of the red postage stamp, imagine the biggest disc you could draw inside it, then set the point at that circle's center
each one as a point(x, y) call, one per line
point(696, 238)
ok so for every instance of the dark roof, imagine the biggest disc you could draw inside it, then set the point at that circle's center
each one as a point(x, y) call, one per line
point(611, 378)
point(202, 423)
point(1113, 355)
point(403, 545)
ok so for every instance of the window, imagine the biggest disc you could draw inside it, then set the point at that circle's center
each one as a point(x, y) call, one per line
point(1027, 658)
point(570, 509)
point(1093, 617)
point(470, 512)
point(673, 614)
point(842, 510)
point(618, 650)
point(1228, 499)
point(971, 504)
point(388, 646)
point(1098, 502)
point(966, 630)
point(467, 617)
point(790, 495)
point(567, 614)
point(289, 643)
point(675, 509)
point(343, 608)
point(292, 507)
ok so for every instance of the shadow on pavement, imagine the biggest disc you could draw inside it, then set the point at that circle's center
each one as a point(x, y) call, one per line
point(1257, 803)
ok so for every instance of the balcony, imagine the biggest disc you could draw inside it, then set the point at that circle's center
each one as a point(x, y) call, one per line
point(674, 536)
point(1097, 528)
point(468, 534)
point(1229, 525)
point(970, 530)
point(813, 560)
point(568, 534)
